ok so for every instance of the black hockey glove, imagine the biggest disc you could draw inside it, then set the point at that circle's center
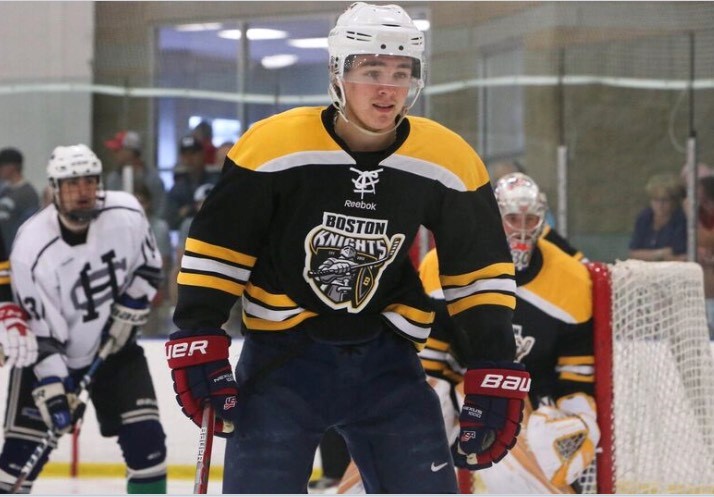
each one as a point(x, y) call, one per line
point(200, 370)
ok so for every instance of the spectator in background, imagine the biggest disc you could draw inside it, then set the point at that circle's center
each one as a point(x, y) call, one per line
point(204, 133)
point(126, 151)
point(161, 232)
point(705, 243)
point(190, 173)
point(660, 232)
point(221, 153)
point(18, 198)
point(198, 197)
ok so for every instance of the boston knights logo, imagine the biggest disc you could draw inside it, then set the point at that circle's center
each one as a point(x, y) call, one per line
point(345, 257)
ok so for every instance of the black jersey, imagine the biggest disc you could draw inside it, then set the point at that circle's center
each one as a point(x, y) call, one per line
point(5, 286)
point(552, 325)
point(305, 230)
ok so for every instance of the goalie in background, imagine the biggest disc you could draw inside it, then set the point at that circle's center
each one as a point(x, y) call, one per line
point(552, 325)
point(85, 269)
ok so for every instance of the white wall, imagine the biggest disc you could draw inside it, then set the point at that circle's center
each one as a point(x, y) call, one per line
point(44, 42)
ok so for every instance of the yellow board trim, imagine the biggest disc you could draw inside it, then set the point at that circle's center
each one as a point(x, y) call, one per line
point(114, 470)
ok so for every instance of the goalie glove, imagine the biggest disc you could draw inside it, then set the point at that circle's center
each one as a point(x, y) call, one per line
point(18, 345)
point(564, 438)
point(200, 370)
point(492, 412)
point(56, 401)
point(127, 316)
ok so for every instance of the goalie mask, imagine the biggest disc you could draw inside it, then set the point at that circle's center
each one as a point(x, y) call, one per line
point(366, 35)
point(74, 173)
point(523, 210)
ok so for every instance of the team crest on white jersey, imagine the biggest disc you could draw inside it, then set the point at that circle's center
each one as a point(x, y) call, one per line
point(524, 344)
point(366, 181)
point(345, 257)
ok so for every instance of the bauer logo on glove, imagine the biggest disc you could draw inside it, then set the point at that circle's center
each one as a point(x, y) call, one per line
point(492, 412)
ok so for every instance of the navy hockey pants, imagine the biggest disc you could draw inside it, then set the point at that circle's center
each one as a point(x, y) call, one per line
point(375, 394)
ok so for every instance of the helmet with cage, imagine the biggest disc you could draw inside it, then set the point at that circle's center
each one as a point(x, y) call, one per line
point(380, 30)
point(71, 163)
point(523, 210)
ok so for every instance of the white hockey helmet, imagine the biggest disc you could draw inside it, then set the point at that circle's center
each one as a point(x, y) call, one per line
point(517, 194)
point(73, 161)
point(379, 30)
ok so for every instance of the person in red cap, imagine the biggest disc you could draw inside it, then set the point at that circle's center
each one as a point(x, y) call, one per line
point(130, 167)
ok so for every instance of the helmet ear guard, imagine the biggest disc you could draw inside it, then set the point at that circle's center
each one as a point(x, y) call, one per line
point(517, 194)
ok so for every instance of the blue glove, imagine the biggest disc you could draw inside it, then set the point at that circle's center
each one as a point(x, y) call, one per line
point(56, 401)
point(492, 412)
point(200, 370)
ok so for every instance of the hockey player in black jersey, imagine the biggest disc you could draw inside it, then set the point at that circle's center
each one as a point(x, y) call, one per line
point(553, 329)
point(310, 225)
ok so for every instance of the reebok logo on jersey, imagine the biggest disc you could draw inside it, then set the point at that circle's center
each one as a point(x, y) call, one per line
point(186, 349)
point(361, 204)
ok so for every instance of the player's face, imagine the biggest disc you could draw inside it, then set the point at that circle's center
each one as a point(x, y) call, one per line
point(78, 194)
point(376, 89)
point(520, 223)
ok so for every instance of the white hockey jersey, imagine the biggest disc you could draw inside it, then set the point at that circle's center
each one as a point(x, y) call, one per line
point(67, 290)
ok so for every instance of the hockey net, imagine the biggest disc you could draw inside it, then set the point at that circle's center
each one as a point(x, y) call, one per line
point(654, 382)
point(654, 378)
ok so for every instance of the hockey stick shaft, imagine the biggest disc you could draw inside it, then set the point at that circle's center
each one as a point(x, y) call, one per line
point(205, 445)
point(51, 436)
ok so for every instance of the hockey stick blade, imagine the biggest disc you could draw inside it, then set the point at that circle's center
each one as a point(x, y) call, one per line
point(205, 445)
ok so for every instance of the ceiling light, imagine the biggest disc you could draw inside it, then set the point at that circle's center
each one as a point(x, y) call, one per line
point(308, 43)
point(278, 61)
point(230, 34)
point(422, 24)
point(254, 34)
point(266, 34)
point(206, 26)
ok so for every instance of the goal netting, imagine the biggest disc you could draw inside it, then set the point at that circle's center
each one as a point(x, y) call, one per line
point(655, 378)
point(654, 383)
